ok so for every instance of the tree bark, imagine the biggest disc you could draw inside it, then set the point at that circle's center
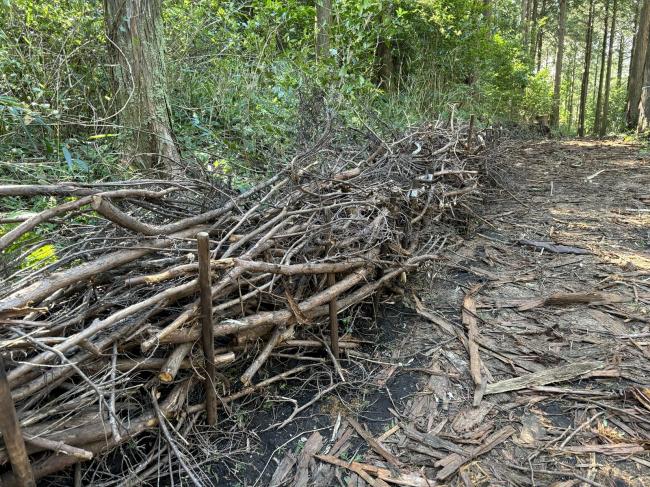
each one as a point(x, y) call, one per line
point(386, 65)
point(594, 92)
point(619, 68)
point(323, 23)
point(585, 75)
point(136, 47)
point(602, 129)
point(637, 65)
point(634, 29)
point(533, 32)
point(537, 50)
point(384, 55)
point(525, 17)
point(572, 90)
point(644, 102)
point(561, 30)
point(601, 77)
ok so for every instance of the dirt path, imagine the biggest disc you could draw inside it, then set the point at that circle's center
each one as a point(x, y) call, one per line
point(572, 322)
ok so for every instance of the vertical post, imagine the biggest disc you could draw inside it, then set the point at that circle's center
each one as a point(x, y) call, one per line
point(77, 475)
point(470, 132)
point(207, 334)
point(334, 322)
point(13, 438)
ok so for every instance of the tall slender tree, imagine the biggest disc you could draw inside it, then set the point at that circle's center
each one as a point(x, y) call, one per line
point(601, 76)
point(533, 31)
point(644, 100)
point(537, 52)
point(619, 67)
point(594, 91)
point(136, 45)
point(384, 53)
point(572, 89)
point(585, 74)
point(602, 129)
point(637, 6)
point(637, 65)
point(323, 26)
point(525, 19)
point(561, 31)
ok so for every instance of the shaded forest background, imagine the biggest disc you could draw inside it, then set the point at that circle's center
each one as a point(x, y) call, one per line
point(241, 86)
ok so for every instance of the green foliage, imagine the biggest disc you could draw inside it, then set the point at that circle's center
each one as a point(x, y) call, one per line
point(241, 76)
point(538, 96)
point(53, 100)
point(40, 257)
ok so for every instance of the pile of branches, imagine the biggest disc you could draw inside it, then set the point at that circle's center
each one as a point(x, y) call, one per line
point(102, 344)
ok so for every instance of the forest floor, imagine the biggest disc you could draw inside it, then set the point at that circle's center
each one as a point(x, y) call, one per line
point(570, 321)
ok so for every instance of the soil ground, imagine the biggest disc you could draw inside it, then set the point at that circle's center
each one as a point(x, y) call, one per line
point(570, 319)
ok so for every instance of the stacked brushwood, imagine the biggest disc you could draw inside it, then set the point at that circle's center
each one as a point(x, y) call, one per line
point(101, 342)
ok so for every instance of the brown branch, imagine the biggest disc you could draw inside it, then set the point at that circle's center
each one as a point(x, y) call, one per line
point(59, 447)
point(11, 433)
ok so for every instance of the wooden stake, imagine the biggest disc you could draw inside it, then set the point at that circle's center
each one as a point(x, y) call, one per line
point(207, 334)
point(334, 322)
point(77, 475)
point(13, 438)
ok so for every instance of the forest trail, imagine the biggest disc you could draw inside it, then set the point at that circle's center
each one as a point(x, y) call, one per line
point(570, 320)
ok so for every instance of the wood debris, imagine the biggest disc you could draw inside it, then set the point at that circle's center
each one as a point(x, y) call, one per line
point(374, 444)
point(382, 475)
point(286, 258)
point(555, 248)
point(567, 299)
point(454, 461)
point(548, 376)
point(475, 364)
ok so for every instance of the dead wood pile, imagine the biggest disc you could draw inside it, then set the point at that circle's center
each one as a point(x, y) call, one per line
point(103, 343)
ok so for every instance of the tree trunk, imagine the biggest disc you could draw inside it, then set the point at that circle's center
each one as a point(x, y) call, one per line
point(602, 128)
point(601, 77)
point(323, 22)
point(136, 47)
point(386, 65)
point(619, 69)
point(594, 91)
point(572, 89)
point(585, 75)
point(537, 51)
point(634, 29)
point(637, 64)
point(540, 41)
point(527, 4)
point(533, 31)
point(384, 56)
point(487, 9)
point(644, 102)
point(561, 30)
